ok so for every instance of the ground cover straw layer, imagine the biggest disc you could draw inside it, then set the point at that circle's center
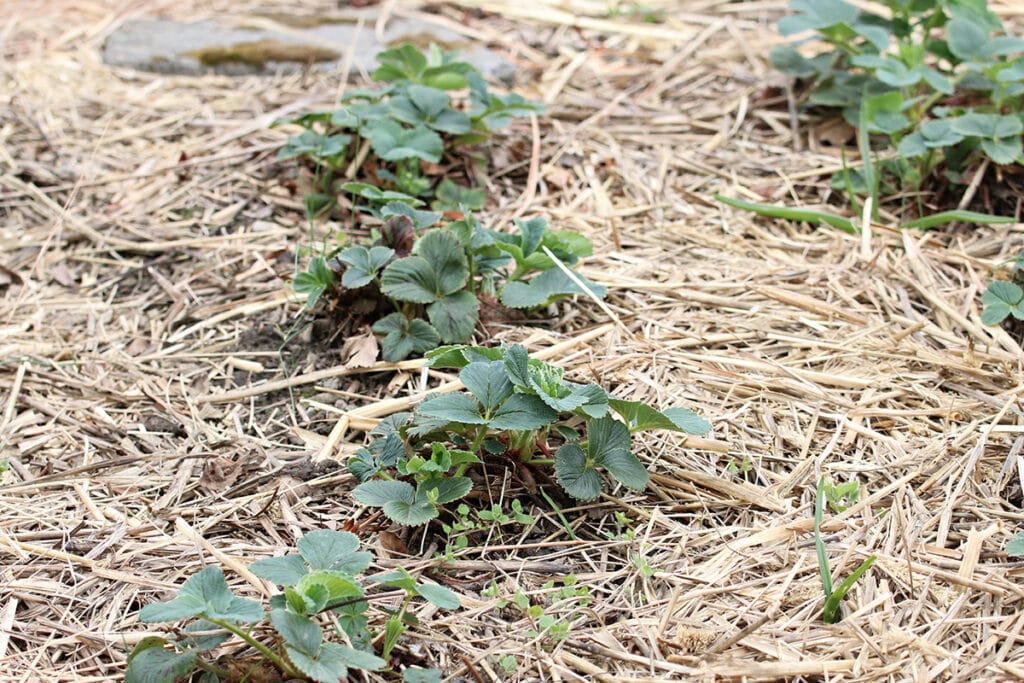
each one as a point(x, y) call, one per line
point(153, 426)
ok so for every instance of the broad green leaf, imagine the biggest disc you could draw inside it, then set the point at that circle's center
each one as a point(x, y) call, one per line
point(156, 665)
point(488, 382)
point(596, 403)
point(392, 142)
point(438, 595)
point(606, 437)
point(400, 63)
point(415, 674)
point(441, 249)
point(363, 264)
point(688, 421)
point(966, 39)
point(412, 513)
point(456, 407)
point(522, 412)
point(377, 493)
point(398, 579)
point(517, 365)
point(448, 489)
point(410, 279)
point(533, 232)
point(573, 472)
point(816, 14)
point(789, 61)
point(287, 570)
point(547, 287)
point(405, 336)
point(626, 468)
point(327, 549)
point(379, 196)
point(298, 632)
point(1015, 546)
point(325, 668)
point(1002, 299)
point(992, 126)
point(205, 592)
point(1003, 150)
point(202, 636)
point(339, 586)
point(455, 316)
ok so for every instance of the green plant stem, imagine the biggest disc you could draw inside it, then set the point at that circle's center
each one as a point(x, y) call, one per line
point(283, 666)
point(539, 461)
point(221, 673)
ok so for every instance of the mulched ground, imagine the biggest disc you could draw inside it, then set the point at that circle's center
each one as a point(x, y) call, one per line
point(155, 421)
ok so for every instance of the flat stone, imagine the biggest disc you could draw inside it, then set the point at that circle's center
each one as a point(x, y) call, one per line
point(269, 44)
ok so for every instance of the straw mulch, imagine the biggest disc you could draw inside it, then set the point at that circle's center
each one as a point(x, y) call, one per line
point(145, 229)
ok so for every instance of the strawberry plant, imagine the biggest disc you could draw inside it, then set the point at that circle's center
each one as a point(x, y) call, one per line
point(391, 131)
point(1004, 299)
point(515, 409)
point(319, 579)
point(431, 280)
point(938, 80)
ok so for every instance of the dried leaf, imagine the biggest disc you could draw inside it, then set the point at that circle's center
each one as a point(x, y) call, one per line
point(219, 474)
point(360, 351)
point(392, 544)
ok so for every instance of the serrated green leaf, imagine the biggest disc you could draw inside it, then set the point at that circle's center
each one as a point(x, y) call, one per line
point(377, 493)
point(789, 61)
point(451, 196)
point(329, 667)
point(966, 39)
point(579, 478)
point(455, 316)
point(363, 264)
point(287, 570)
point(688, 421)
point(517, 365)
point(205, 592)
point(457, 407)
point(546, 288)
point(488, 382)
point(156, 665)
point(299, 632)
point(411, 513)
point(448, 489)
point(596, 403)
point(444, 253)
point(420, 220)
point(411, 279)
point(326, 549)
point(392, 142)
point(313, 281)
point(522, 412)
point(606, 438)
point(1001, 299)
point(438, 595)
point(626, 468)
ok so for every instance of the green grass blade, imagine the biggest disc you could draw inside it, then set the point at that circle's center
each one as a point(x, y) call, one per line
point(806, 215)
point(831, 613)
point(950, 216)
point(823, 568)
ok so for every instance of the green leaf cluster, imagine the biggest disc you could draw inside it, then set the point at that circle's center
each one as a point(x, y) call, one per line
point(939, 80)
point(320, 577)
point(514, 407)
point(433, 273)
point(1004, 299)
point(430, 104)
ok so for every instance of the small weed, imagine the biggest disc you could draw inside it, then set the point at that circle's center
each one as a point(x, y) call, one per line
point(832, 612)
point(841, 496)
